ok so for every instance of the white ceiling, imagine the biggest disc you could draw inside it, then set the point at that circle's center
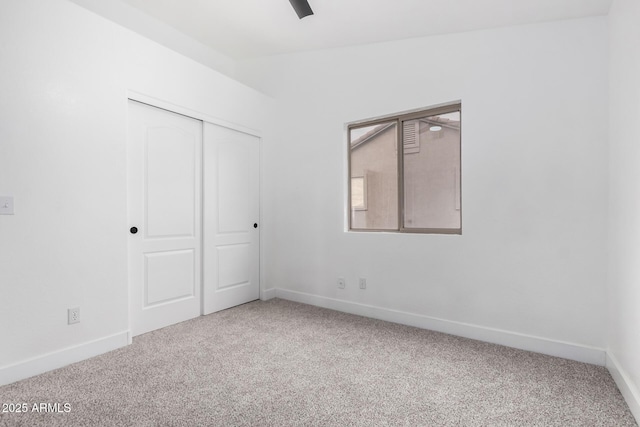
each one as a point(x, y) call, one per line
point(251, 28)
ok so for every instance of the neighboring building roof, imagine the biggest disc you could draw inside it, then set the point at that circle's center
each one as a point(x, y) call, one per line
point(371, 134)
point(381, 128)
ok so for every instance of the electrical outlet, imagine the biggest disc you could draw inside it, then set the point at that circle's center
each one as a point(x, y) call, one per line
point(341, 282)
point(363, 283)
point(6, 205)
point(73, 315)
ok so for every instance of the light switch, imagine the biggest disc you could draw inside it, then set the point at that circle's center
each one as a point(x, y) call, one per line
point(6, 205)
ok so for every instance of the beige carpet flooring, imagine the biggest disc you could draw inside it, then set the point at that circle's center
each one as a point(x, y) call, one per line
point(279, 363)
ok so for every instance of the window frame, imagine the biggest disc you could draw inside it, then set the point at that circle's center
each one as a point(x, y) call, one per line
point(399, 120)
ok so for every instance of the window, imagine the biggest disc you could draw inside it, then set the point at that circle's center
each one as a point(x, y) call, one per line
point(416, 190)
point(359, 193)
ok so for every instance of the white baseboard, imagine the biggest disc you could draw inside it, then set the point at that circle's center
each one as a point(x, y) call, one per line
point(566, 350)
point(629, 390)
point(268, 294)
point(60, 358)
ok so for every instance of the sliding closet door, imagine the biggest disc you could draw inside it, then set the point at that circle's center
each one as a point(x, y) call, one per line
point(164, 198)
point(231, 212)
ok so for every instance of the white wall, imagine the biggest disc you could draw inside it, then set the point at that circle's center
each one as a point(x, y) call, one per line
point(624, 200)
point(64, 80)
point(532, 256)
point(130, 17)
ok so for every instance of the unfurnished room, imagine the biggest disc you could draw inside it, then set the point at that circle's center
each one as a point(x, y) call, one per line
point(320, 213)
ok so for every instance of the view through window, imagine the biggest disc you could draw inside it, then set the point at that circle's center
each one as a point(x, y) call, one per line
point(416, 189)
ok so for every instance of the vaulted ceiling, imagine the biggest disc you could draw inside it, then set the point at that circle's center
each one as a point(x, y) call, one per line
point(252, 28)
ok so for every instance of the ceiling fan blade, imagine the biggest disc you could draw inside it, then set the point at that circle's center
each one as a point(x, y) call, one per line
point(302, 8)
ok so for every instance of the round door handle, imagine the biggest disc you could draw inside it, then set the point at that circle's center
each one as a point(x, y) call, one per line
point(255, 225)
point(133, 230)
